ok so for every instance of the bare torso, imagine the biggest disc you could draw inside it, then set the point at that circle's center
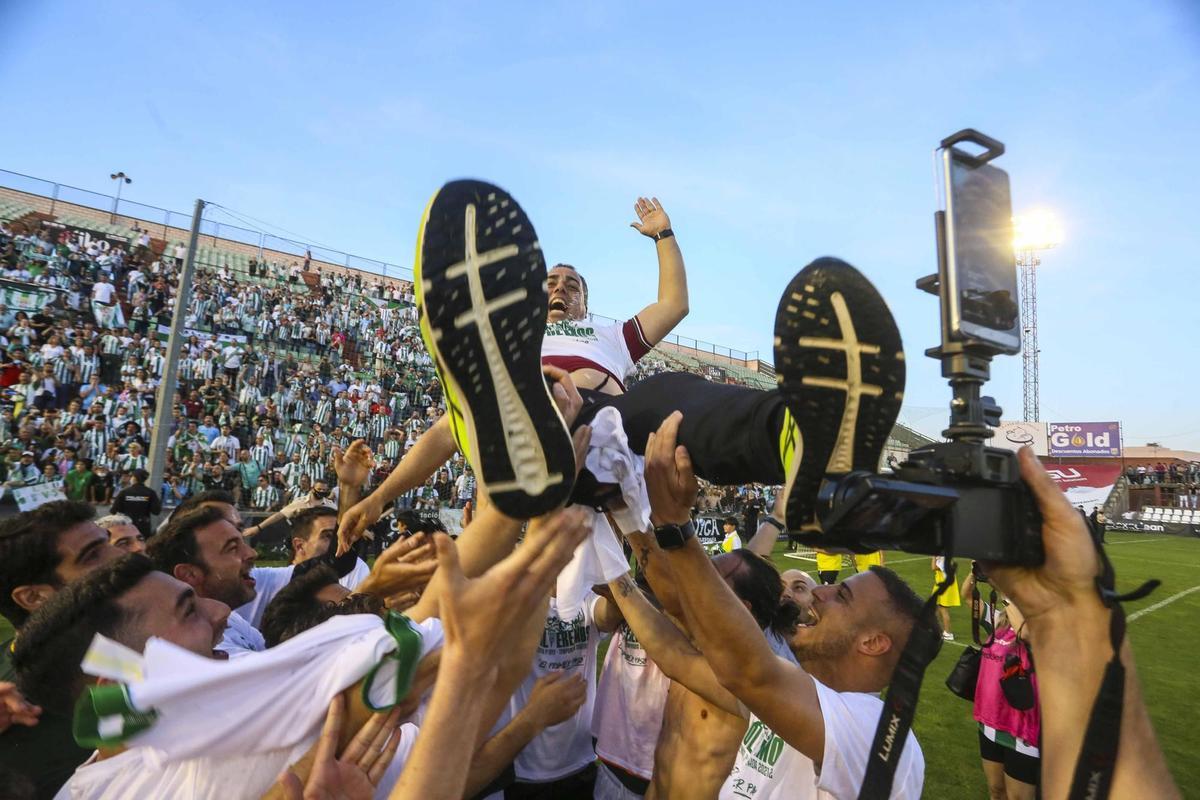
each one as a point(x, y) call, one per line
point(595, 380)
point(696, 748)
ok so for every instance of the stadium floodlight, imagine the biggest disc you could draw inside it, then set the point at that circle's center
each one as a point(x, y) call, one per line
point(1036, 230)
point(121, 178)
point(1033, 231)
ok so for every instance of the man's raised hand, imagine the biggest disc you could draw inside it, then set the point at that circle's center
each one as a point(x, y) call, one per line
point(354, 523)
point(481, 615)
point(1065, 583)
point(354, 466)
point(670, 481)
point(355, 774)
point(405, 566)
point(652, 219)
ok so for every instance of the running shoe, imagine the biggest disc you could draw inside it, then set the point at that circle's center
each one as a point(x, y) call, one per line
point(480, 281)
point(840, 368)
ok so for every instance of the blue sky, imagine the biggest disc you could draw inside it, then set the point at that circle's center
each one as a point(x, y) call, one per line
point(772, 133)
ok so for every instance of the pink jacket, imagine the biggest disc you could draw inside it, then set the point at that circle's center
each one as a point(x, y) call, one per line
point(991, 707)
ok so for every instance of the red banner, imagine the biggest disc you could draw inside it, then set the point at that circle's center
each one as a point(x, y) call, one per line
point(1085, 484)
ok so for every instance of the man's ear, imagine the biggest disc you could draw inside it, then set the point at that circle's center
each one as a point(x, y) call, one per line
point(298, 544)
point(190, 574)
point(32, 596)
point(876, 643)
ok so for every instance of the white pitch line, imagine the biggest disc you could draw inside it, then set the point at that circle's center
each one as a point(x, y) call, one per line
point(1131, 617)
point(1143, 612)
point(1144, 541)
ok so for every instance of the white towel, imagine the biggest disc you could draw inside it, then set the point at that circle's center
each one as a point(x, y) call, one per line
point(599, 558)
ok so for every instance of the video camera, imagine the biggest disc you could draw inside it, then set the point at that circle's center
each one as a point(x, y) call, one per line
point(958, 497)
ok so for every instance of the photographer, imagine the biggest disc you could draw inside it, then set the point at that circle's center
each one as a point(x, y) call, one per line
point(1068, 626)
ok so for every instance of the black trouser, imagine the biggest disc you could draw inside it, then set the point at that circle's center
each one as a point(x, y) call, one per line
point(731, 432)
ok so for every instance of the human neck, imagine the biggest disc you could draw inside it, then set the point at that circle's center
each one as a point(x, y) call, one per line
point(844, 674)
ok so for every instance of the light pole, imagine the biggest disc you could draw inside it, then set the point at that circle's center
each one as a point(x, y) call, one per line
point(121, 178)
point(1033, 232)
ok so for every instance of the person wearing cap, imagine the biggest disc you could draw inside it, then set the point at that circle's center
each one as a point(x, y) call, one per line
point(24, 473)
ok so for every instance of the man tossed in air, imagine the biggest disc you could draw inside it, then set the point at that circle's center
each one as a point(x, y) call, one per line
point(491, 316)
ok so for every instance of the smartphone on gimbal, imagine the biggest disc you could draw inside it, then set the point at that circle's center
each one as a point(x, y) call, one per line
point(981, 269)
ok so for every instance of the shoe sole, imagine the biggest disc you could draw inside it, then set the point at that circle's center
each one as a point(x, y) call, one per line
point(839, 364)
point(480, 281)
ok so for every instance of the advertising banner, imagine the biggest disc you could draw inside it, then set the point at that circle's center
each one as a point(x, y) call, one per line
point(1015, 435)
point(1085, 485)
point(1085, 439)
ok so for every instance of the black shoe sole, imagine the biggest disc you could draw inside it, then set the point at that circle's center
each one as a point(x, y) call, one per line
point(845, 405)
point(483, 316)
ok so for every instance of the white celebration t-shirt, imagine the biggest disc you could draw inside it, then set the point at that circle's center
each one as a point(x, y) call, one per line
point(568, 646)
point(767, 768)
point(629, 705)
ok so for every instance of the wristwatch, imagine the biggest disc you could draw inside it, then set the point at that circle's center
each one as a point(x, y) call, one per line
point(665, 233)
point(671, 537)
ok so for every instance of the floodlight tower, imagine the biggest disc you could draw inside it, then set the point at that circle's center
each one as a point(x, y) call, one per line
point(1033, 232)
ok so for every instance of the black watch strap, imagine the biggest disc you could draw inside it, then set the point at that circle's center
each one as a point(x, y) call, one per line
point(671, 537)
point(665, 233)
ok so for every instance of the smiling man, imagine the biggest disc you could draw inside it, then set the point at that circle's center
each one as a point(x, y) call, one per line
point(206, 551)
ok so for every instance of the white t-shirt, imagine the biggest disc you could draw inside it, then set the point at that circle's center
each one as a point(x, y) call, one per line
point(581, 344)
point(629, 706)
point(269, 581)
point(103, 292)
point(567, 646)
point(767, 768)
point(240, 637)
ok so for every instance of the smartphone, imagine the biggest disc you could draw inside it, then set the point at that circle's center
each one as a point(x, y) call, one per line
point(981, 270)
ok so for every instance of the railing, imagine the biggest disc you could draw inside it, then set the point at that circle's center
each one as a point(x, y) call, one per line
point(174, 225)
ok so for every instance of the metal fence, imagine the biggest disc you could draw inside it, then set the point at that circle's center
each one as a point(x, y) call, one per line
point(173, 225)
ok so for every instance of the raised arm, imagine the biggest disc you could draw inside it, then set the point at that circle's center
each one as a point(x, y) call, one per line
point(763, 541)
point(720, 624)
point(661, 316)
point(1068, 629)
point(668, 647)
point(434, 447)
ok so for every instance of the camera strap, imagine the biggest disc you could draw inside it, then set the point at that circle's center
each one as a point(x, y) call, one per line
point(900, 705)
point(975, 597)
point(1098, 756)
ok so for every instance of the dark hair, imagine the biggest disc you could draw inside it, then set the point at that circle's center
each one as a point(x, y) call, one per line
point(201, 498)
point(29, 550)
point(304, 520)
point(47, 654)
point(730, 521)
point(176, 543)
point(906, 603)
point(296, 608)
point(756, 582)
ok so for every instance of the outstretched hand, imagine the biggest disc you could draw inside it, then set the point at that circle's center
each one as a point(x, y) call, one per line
point(353, 524)
point(353, 466)
point(15, 709)
point(473, 629)
point(670, 481)
point(651, 217)
point(1065, 583)
point(405, 566)
point(355, 774)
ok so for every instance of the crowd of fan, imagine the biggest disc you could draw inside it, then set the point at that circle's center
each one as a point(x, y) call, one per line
point(268, 387)
point(1163, 473)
